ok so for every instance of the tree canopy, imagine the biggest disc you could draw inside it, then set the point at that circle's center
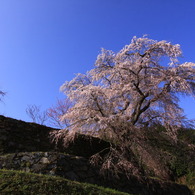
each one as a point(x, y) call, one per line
point(136, 87)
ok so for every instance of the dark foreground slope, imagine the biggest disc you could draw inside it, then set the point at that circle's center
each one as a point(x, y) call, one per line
point(28, 147)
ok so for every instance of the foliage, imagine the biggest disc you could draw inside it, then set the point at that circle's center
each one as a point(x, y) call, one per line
point(187, 135)
point(179, 157)
point(18, 182)
point(188, 180)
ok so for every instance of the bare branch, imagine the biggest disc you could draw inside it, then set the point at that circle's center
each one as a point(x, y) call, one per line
point(2, 94)
point(56, 112)
point(36, 115)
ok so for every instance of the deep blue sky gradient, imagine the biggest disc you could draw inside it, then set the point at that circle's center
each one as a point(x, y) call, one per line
point(43, 43)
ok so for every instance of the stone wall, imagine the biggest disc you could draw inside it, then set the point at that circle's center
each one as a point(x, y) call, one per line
point(20, 136)
point(51, 163)
point(79, 169)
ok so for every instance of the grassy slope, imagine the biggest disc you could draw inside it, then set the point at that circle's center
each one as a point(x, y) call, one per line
point(18, 182)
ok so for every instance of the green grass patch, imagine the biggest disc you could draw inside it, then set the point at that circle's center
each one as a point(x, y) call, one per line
point(18, 182)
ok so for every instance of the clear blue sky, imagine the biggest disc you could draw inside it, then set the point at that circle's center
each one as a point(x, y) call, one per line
point(45, 42)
